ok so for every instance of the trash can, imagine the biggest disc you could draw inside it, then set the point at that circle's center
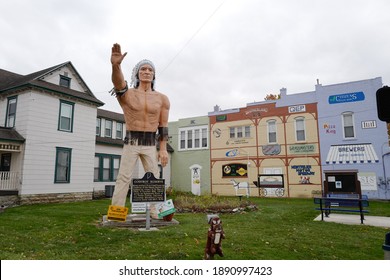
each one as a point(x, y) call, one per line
point(109, 190)
point(386, 246)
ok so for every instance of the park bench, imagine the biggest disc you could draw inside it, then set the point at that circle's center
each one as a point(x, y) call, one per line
point(352, 203)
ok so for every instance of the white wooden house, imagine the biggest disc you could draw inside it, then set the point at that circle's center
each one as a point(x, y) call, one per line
point(47, 135)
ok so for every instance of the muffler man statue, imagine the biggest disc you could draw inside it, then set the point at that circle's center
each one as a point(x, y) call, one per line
point(146, 113)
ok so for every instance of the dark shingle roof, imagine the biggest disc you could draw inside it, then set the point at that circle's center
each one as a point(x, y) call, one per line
point(7, 78)
point(10, 134)
point(11, 81)
point(109, 141)
point(110, 115)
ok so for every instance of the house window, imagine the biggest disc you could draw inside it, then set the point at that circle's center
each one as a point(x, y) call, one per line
point(240, 131)
point(11, 112)
point(189, 139)
point(232, 132)
point(63, 164)
point(197, 138)
point(115, 167)
point(65, 122)
point(119, 130)
point(106, 167)
point(204, 137)
point(98, 126)
point(348, 125)
point(182, 140)
point(271, 124)
point(96, 169)
point(193, 138)
point(108, 128)
point(247, 131)
point(300, 129)
point(65, 81)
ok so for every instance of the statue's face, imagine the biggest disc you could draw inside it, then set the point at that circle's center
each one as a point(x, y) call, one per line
point(146, 73)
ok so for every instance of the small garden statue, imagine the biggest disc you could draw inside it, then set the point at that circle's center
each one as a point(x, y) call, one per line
point(214, 239)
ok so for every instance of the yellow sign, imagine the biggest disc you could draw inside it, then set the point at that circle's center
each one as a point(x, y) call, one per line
point(117, 213)
point(241, 171)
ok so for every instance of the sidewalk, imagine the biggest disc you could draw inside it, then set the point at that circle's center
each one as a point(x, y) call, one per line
point(376, 221)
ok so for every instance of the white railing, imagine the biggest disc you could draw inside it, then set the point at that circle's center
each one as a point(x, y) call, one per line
point(9, 181)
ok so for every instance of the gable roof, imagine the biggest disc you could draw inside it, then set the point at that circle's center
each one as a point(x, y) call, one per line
point(10, 82)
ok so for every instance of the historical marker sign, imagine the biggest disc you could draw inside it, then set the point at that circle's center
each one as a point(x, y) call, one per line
point(148, 189)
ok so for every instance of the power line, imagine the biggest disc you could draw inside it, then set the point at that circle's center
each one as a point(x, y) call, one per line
point(192, 37)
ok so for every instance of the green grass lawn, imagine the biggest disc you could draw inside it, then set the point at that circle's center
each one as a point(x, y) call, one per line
point(281, 229)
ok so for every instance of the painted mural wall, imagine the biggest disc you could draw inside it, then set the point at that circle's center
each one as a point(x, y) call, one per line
point(352, 136)
point(266, 140)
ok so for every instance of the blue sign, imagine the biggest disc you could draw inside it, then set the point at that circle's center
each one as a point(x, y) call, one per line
point(346, 97)
point(232, 153)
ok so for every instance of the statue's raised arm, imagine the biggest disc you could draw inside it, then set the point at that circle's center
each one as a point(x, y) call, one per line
point(116, 59)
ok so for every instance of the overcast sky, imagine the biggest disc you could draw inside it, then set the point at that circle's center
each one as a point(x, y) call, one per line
point(207, 52)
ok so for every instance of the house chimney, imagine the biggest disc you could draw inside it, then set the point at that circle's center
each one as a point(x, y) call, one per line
point(283, 92)
point(318, 85)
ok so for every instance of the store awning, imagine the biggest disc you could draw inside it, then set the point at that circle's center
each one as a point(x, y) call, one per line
point(349, 154)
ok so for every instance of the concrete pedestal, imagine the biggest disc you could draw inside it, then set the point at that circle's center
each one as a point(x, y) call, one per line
point(137, 221)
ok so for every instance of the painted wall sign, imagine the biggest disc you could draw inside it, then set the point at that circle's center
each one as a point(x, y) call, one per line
point(271, 149)
point(217, 133)
point(368, 181)
point(303, 170)
point(354, 153)
point(235, 170)
point(232, 153)
point(302, 149)
point(237, 142)
point(352, 149)
point(368, 124)
point(256, 113)
point(297, 109)
point(346, 97)
point(221, 118)
point(270, 181)
point(329, 128)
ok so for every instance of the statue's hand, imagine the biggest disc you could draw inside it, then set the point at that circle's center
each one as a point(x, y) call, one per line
point(163, 157)
point(116, 55)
